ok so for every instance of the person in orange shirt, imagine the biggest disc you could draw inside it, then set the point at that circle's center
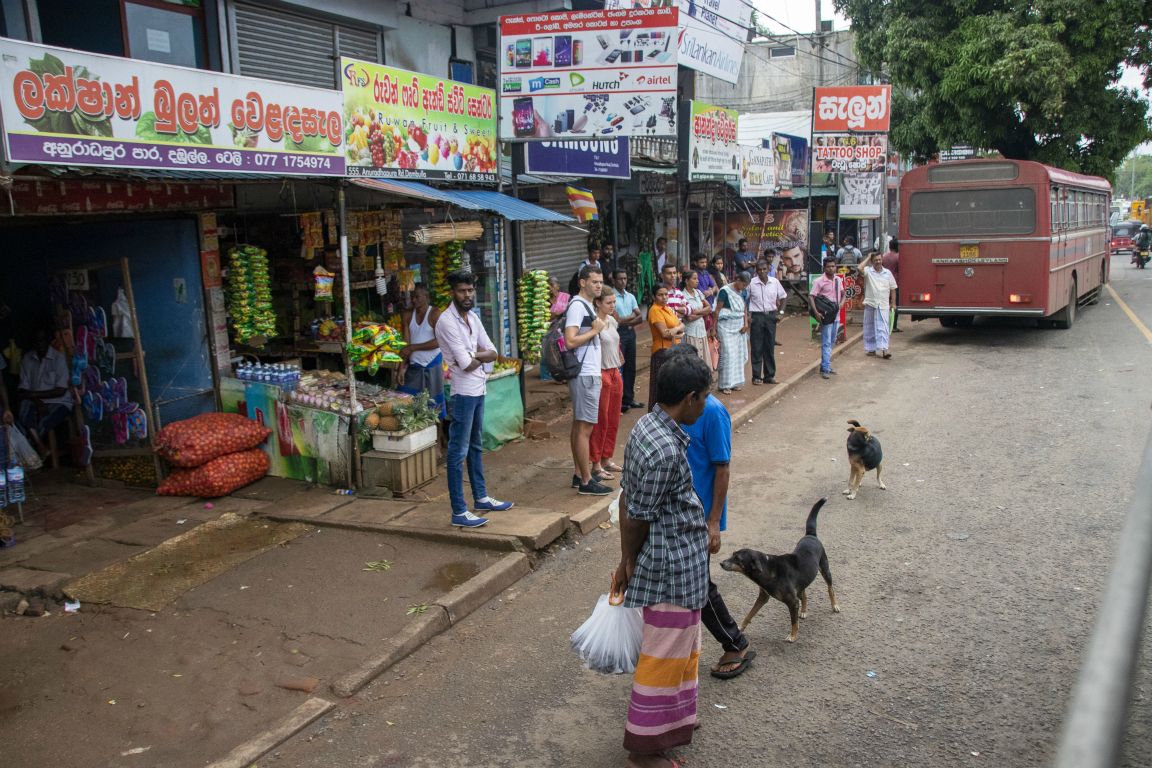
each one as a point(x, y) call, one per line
point(667, 331)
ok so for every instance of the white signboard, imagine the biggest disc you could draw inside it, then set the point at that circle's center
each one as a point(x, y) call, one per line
point(712, 33)
point(757, 171)
point(861, 195)
point(712, 149)
point(588, 74)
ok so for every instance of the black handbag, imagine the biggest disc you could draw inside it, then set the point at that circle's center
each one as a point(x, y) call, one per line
point(826, 310)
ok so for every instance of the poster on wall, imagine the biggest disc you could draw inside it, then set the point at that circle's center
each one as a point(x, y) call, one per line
point(787, 232)
point(405, 125)
point(849, 153)
point(799, 149)
point(863, 108)
point(782, 162)
point(608, 159)
point(588, 74)
point(861, 195)
point(711, 149)
point(711, 34)
point(64, 107)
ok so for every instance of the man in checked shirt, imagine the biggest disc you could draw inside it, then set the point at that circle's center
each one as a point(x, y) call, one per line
point(664, 562)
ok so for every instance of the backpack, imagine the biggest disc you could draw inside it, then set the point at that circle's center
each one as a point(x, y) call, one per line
point(561, 363)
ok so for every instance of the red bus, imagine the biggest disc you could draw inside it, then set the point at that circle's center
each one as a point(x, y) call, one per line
point(976, 240)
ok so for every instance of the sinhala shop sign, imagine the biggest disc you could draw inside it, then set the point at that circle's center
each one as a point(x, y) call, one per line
point(64, 107)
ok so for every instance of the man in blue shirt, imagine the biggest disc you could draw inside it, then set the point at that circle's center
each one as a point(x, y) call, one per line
point(709, 454)
point(628, 316)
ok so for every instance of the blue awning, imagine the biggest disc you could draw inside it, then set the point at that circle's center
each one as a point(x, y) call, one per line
point(474, 200)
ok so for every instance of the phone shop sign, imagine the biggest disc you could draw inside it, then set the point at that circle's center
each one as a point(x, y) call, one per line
point(599, 74)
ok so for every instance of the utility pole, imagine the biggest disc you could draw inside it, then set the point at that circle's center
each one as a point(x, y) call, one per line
point(819, 46)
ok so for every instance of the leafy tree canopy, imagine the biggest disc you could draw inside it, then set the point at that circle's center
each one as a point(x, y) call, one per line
point(1032, 79)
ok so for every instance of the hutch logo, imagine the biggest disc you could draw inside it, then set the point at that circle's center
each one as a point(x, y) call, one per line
point(356, 77)
point(609, 85)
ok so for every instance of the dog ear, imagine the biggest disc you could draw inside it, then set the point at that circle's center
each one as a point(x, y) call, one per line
point(854, 423)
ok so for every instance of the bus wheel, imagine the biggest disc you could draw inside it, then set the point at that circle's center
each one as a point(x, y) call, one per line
point(1067, 316)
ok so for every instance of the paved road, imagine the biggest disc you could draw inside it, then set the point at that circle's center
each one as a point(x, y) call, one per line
point(969, 587)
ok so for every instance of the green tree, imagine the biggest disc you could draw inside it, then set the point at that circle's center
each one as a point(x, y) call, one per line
point(1134, 178)
point(1032, 79)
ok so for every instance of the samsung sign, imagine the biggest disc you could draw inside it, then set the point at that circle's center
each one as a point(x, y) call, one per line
point(602, 159)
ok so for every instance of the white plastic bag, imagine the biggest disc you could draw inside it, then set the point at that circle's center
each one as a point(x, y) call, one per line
point(609, 641)
point(22, 449)
point(614, 508)
point(122, 316)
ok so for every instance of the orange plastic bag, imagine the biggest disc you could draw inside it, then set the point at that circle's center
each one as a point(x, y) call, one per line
point(219, 477)
point(196, 441)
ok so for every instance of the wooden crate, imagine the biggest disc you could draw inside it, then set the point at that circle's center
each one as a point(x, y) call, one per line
point(400, 474)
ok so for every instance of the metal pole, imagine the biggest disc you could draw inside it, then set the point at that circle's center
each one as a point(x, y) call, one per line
point(517, 263)
point(615, 239)
point(355, 477)
point(811, 157)
point(1094, 728)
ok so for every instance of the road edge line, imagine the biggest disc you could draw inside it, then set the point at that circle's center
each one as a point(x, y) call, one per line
point(252, 750)
point(1131, 315)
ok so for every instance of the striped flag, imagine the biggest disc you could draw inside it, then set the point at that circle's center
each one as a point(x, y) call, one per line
point(583, 204)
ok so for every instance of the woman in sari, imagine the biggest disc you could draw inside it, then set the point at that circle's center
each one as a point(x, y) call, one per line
point(731, 329)
point(695, 330)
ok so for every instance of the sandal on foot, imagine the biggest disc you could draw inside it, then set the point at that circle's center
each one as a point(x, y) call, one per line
point(741, 665)
point(613, 466)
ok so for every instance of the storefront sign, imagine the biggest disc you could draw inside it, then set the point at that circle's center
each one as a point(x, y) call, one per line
point(862, 108)
point(782, 157)
point(787, 232)
point(604, 159)
point(799, 149)
point(588, 74)
point(404, 125)
point(62, 107)
point(712, 151)
point(58, 198)
point(712, 33)
point(652, 183)
point(845, 152)
point(861, 195)
point(757, 171)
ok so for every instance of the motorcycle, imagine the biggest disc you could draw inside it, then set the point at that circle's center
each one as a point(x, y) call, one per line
point(1141, 257)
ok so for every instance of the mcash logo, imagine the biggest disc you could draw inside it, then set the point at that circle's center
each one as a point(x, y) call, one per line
point(512, 86)
point(610, 85)
point(541, 83)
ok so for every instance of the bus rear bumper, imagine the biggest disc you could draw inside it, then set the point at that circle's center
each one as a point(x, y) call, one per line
point(969, 312)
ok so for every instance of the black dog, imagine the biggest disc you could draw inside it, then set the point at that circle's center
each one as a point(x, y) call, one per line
point(786, 577)
point(864, 454)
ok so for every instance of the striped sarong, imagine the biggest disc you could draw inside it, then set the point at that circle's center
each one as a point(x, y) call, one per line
point(876, 329)
point(662, 711)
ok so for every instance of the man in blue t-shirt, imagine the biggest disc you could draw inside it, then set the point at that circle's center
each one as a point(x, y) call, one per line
point(709, 454)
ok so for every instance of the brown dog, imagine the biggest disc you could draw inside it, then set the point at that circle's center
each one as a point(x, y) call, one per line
point(864, 454)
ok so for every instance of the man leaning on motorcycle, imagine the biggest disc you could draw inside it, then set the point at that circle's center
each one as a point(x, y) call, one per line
point(1142, 243)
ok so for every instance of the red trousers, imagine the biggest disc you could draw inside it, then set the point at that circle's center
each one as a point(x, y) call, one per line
point(603, 440)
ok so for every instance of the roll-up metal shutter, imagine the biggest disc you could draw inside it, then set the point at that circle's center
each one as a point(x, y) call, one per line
point(297, 49)
point(556, 248)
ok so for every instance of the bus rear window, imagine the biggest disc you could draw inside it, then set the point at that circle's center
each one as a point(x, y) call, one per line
point(963, 212)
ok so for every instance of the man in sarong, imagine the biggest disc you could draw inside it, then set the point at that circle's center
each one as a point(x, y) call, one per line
point(664, 561)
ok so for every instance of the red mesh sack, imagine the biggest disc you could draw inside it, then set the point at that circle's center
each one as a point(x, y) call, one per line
point(219, 477)
point(196, 441)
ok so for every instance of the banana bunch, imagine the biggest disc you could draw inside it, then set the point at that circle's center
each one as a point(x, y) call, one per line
point(443, 259)
point(533, 313)
point(250, 295)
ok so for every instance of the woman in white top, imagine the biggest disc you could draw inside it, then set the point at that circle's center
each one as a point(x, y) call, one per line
point(424, 365)
point(603, 440)
point(695, 331)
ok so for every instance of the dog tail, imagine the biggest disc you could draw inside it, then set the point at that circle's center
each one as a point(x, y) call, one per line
point(810, 526)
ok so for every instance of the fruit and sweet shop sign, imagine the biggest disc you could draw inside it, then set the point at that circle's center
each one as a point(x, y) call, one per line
point(405, 125)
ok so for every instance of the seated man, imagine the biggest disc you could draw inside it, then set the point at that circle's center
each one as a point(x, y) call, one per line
point(45, 401)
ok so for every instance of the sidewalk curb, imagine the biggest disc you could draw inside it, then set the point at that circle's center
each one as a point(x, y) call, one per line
point(589, 518)
point(748, 412)
point(478, 539)
point(454, 606)
point(248, 753)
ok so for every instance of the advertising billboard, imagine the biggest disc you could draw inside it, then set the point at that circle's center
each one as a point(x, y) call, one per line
point(861, 195)
point(711, 149)
point(846, 152)
point(588, 74)
point(757, 171)
point(607, 159)
point(405, 125)
point(860, 108)
point(711, 35)
point(64, 107)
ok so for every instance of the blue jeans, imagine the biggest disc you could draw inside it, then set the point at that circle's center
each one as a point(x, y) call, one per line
point(827, 340)
point(465, 437)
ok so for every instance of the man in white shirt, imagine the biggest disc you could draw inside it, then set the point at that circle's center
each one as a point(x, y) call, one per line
point(469, 354)
point(766, 297)
point(45, 401)
point(879, 297)
point(582, 335)
point(661, 254)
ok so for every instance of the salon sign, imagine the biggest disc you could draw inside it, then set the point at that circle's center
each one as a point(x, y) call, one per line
point(65, 107)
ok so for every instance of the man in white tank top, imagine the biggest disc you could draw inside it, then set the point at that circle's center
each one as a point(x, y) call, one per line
point(423, 370)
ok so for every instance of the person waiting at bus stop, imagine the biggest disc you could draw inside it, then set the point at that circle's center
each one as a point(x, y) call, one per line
point(830, 288)
point(879, 298)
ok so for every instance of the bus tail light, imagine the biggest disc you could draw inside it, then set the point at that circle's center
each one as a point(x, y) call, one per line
point(921, 297)
point(1019, 298)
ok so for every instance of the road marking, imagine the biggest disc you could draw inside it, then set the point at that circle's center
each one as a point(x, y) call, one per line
point(1131, 315)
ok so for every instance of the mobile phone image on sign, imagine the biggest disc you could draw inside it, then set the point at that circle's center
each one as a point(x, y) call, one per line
point(523, 117)
point(524, 53)
point(563, 50)
point(611, 58)
point(541, 51)
point(577, 52)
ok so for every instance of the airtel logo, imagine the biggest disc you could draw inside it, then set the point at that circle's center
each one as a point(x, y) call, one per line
point(654, 80)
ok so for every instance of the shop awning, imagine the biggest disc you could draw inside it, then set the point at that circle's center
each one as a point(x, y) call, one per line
point(473, 200)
